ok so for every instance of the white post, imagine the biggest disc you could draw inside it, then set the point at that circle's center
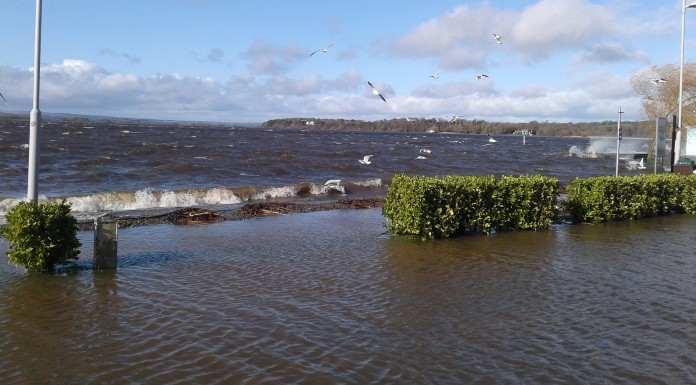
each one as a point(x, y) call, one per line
point(35, 116)
point(618, 142)
point(679, 150)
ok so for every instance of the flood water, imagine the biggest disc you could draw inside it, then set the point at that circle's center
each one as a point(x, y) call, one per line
point(329, 298)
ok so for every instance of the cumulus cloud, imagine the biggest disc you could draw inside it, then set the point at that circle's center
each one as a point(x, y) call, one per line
point(275, 82)
point(550, 26)
point(458, 39)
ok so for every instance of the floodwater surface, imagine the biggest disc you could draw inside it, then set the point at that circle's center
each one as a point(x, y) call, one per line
point(328, 297)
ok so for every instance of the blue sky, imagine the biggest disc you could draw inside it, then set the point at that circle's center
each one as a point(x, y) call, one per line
point(249, 61)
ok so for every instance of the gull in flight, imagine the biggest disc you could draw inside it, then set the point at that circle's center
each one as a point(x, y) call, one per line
point(658, 81)
point(375, 92)
point(641, 165)
point(425, 150)
point(491, 140)
point(479, 77)
point(3, 98)
point(497, 38)
point(436, 76)
point(325, 49)
point(366, 159)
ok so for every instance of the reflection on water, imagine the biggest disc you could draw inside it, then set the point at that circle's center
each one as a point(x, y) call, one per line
point(328, 297)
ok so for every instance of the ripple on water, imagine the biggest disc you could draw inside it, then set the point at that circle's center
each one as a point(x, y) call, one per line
point(328, 298)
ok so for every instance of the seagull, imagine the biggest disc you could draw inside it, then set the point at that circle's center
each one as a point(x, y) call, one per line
point(491, 140)
point(421, 157)
point(658, 81)
point(3, 98)
point(479, 77)
point(375, 92)
point(436, 76)
point(335, 185)
point(425, 150)
point(497, 38)
point(641, 165)
point(325, 49)
point(366, 159)
point(332, 182)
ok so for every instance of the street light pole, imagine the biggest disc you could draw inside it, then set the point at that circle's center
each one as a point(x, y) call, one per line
point(679, 150)
point(35, 116)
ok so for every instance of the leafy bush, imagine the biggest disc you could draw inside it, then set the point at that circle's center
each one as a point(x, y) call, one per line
point(439, 208)
point(603, 199)
point(41, 235)
point(687, 196)
point(526, 203)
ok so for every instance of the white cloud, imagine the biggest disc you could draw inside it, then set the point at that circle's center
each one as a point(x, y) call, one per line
point(550, 26)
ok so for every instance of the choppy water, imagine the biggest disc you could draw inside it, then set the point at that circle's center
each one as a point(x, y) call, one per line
point(106, 165)
point(328, 297)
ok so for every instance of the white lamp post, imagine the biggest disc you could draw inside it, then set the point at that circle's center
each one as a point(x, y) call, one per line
point(35, 116)
point(679, 151)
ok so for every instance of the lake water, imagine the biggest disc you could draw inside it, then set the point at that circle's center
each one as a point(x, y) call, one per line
point(329, 297)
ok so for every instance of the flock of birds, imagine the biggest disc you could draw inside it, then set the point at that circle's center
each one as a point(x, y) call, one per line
point(375, 91)
point(335, 184)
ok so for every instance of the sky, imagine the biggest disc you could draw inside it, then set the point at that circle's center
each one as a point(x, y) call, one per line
point(250, 61)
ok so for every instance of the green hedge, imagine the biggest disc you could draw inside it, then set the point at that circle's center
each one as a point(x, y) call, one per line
point(442, 207)
point(604, 199)
point(687, 196)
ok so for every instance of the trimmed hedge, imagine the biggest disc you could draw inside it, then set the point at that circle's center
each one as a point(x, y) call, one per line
point(443, 207)
point(604, 199)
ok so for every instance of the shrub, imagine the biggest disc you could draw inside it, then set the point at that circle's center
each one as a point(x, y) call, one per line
point(439, 208)
point(603, 199)
point(687, 196)
point(526, 202)
point(41, 235)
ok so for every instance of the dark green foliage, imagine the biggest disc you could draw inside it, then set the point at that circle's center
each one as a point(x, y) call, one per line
point(439, 208)
point(624, 198)
point(526, 203)
point(41, 235)
point(687, 197)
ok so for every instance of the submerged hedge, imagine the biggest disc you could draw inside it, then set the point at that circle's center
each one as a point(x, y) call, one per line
point(604, 199)
point(442, 207)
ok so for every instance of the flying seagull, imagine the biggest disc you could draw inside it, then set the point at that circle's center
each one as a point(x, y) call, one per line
point(497, 38)
point(325, 49)
point(658, 81)
point(366, 159)
point(436, 76)
point(3, 98)
point(479, 77)
point(375, 92)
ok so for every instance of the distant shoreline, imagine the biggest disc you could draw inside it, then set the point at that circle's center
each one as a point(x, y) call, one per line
point(607, 128)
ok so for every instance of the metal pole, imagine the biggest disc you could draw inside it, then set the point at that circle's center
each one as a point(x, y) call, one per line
point(618, 142)
point(657, 143)
point(35, 116)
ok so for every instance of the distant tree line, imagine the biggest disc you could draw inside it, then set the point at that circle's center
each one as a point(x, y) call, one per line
point(464, 126)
